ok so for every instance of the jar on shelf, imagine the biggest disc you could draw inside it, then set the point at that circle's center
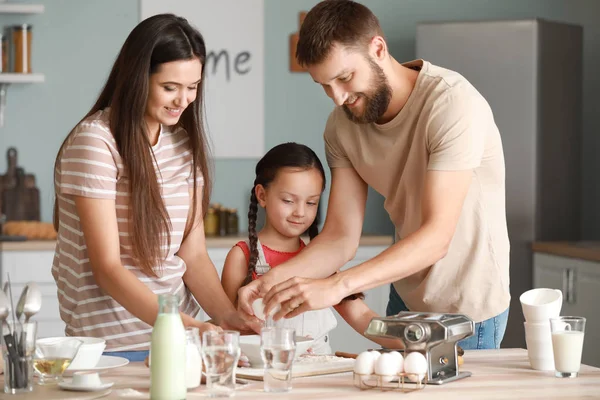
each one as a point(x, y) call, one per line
point(3, 53)
point(211, 222)
point(223, 220)
point(233, 222)
point(21, 48)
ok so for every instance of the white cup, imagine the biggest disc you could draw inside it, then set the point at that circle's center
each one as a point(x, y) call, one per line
point(539, 350)
point(541, 364)
point(86, 379)
point(539, 305)
point(538, 331)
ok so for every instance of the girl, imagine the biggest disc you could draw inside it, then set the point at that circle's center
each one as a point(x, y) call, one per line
point(288, 186)
point(132, 182)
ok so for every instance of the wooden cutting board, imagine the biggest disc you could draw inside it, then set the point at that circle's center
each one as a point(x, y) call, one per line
point(21, 203)
point(9, 179)
point(330, 365)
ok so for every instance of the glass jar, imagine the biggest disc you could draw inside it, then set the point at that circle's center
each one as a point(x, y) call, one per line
point(223, 220)
point(193, 358)
point(21, 48)
point(233, 222)
point(211, 222)
point(4, 53)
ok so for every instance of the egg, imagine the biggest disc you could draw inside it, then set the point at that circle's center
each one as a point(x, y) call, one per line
point(398, 361)
point(375, 354)
point(415, 366)
point(386, 367)
point(364, 363)
point(259, 309)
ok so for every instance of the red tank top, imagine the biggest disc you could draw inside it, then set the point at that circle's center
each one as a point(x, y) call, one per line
point(273, 257)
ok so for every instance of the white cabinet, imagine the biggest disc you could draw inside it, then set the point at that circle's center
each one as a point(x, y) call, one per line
point(579, 281)
point(26, 266)
point(344, 338)
point(217, 255)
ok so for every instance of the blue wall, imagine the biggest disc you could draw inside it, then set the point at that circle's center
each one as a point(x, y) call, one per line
point(76, 41)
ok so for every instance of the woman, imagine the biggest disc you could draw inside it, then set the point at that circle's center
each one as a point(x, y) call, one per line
point(132, 182)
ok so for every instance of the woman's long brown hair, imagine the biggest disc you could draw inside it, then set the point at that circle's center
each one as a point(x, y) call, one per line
point(159, 39)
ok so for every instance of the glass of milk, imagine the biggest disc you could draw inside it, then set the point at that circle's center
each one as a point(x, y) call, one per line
point(567, 344)
point(220, 352)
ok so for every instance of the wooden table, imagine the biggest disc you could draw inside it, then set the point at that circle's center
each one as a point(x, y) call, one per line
point(497, 374)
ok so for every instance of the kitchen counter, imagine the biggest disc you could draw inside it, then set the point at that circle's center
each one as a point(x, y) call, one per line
point(211, 242)
point(497, 374)
point(585, 250)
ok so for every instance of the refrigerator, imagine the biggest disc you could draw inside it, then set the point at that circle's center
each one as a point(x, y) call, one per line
point(530, 72)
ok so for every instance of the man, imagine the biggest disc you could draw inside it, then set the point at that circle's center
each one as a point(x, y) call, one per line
point(424, 138)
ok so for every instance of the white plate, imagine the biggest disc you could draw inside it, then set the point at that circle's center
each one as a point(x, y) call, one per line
point(106, 362)
point(68, 385)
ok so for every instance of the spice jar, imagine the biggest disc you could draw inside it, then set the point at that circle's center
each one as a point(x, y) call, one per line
point(223, 219)
point(211, 222)
point(233, 222)
point(21, 48)
point(4, 53)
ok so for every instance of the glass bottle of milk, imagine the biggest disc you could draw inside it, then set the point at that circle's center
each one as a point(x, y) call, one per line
point(167, 352)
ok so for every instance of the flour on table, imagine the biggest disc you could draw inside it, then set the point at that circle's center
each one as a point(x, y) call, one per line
point(318, 359)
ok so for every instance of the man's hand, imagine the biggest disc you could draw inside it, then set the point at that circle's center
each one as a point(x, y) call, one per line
point(298, 295)
point(252, 291)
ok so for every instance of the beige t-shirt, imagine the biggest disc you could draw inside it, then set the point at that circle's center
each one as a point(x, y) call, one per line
point(445, 125)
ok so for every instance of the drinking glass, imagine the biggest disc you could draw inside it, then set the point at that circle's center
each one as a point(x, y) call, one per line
point(567, 344)
point(220, 352)
point(53, 356)
point(278, 347)
point(18, 346)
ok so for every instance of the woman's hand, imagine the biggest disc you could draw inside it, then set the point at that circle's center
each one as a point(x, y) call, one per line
point(190, 322)
point(242, 322)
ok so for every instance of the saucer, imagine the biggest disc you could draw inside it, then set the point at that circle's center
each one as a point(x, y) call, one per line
point(105, 362)
point(68, 385)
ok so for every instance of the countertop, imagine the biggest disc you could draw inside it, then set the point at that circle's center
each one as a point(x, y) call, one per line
point(497, 374)
point(211, 243)
point(585, 250)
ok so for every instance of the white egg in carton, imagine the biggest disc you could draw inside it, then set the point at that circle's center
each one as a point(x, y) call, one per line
point(390, 370)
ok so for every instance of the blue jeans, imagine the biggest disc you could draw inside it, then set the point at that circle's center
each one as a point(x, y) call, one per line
point(488, 334)
point(132, 356)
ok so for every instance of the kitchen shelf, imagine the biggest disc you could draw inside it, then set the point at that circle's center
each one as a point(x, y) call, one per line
point(21, 78)
point(19, 8)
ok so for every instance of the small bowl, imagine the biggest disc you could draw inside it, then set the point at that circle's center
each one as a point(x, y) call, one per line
point(89, 353)
point(250, 347)
point(52, 356)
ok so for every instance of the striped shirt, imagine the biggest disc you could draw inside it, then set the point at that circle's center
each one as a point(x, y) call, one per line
point(90, 166)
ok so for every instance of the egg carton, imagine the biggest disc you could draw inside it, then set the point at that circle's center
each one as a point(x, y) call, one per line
point(402, 382)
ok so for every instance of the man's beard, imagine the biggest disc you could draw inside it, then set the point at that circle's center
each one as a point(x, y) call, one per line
point(376, 102)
